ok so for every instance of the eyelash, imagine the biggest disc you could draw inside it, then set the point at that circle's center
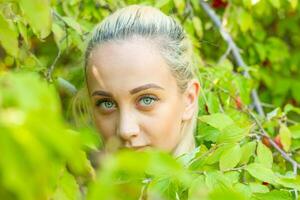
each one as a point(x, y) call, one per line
point(153, 98)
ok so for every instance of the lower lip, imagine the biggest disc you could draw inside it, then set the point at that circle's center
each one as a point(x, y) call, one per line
point(142, 148)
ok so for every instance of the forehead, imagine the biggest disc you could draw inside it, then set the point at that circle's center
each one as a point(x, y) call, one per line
point(124, 65)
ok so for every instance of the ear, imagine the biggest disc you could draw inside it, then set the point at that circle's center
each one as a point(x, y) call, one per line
point(190, 98)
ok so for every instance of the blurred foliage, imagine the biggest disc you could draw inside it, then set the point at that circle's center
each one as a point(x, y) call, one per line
point(36, 146)
point(43, 156)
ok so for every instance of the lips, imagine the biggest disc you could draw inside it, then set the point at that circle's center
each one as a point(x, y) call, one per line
point(140, 148)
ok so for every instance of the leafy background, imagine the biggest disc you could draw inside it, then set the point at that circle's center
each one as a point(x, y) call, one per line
point(240, 155)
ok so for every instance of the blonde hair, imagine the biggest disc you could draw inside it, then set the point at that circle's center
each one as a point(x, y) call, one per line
point(166, 34)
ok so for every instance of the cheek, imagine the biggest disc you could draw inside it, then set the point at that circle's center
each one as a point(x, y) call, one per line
point(105, 126)
point(164, 128)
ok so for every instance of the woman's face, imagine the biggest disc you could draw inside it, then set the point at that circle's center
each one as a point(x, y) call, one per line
point(134, 95)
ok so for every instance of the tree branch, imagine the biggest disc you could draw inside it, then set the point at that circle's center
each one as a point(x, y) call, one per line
point(52, 67)
point(282, 152)
point(234, 50)
point(240, 62)
point(224, 56)
point(66, 86)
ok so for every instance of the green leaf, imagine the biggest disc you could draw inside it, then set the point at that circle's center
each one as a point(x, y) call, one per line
point(277, 51)
point(59, 35)
point(258, 188)
point(73, 24)
point(212, 102)
point(197, 188)
point(245, 21)
point(293, 3)
point(199, 159)
point(195, 4)
point(275, 3)
point(38, 14)
point(23, 31)
point(285, 137)
point(242, 189)
point(231, 134)
point(34, 146)
point(295, 130)
point(230, 158)
point(217, 120)
point(67, 188)
point(82, 166)
point(207, 133)
point(8, 37)
point(247, 150)
point(180, 5)
point(273, 113)
point(247, 3)
point(260, 49)
point(290, 182)
point(215, 156)
point(244, 88)
point(264, 155)
point(295, 145)
point(274, 195)
point(288, 108)
point(262, 173)
point(235, 193)
point(295, 90)
point(217, 179)
point(233, 176)
point(186, 159)
point(198, 26)
point(161, 3)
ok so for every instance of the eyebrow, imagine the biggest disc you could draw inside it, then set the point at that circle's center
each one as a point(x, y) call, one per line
point(133, 91)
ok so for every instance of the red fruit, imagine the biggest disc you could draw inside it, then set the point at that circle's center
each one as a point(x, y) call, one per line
point(277, 140)
point(219, 4)
point(293, 102)
point(266, 141)
point(265, 183)
point(266, 63)
point(206, 109)
point(238, 102)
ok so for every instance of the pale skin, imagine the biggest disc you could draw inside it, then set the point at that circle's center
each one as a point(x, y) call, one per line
point(134, 96)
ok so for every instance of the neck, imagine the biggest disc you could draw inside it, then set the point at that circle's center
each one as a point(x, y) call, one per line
point(186, 145)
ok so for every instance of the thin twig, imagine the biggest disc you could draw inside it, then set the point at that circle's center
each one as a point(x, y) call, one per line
point(282, 152)
point(66, 86)
point(188, 11)
point(49, 72)
point(205, 153)
point(143, 195)
point(267, 105)
point(225, 55)
point(235, 169)
point(60, 18)
point(292, 121)
point(55, 14)
point(52, 67)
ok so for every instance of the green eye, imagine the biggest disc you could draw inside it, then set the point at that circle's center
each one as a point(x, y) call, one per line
point(147, 100)
point(108, 104)
point(104, 103)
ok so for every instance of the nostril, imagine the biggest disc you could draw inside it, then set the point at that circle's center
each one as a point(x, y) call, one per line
point(128, 135)
point(128, 128)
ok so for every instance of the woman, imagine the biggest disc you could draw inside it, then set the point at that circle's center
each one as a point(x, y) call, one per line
point(141, 81)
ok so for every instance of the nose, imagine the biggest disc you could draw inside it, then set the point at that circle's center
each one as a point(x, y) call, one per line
point(128, 127)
